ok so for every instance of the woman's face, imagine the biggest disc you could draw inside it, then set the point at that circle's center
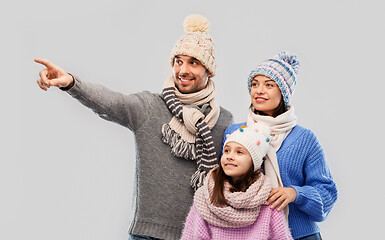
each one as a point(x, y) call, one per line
point(265, 94)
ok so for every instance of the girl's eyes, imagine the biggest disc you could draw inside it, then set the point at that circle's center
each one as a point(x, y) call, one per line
point(238, 151)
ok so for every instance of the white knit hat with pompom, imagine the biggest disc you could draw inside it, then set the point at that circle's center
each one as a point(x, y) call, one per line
point(196, 42)
point(256, 139)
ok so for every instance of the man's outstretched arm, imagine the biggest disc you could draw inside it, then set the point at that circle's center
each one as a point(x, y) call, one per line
point(131, 110)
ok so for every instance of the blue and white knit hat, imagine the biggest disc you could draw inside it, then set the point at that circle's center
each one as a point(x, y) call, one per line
point(283, 69)
point(255, 139)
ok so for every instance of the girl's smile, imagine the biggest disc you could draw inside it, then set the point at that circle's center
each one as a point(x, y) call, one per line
point(236, 160)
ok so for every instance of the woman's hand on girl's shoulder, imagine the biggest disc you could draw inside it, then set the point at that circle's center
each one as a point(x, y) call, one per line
point(281, 196)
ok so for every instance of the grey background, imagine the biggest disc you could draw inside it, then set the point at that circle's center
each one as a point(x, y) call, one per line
point(67, 174)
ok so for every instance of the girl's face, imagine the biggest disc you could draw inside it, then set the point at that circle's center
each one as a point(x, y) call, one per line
point(236, 160)
point(265, 94)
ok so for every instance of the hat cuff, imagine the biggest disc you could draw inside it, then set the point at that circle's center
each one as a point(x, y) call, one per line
point(255, 158)
point(207, 61)
point(274, 76)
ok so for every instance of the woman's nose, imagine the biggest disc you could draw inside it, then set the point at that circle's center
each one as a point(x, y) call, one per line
point(260, 89)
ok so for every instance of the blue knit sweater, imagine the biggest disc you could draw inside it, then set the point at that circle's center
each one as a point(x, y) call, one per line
point(303, 166)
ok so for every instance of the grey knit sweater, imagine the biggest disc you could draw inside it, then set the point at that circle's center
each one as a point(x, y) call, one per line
point(163, 195)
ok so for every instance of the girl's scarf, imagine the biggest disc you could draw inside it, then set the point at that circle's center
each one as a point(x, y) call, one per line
point(189, 131)
point(243, 208)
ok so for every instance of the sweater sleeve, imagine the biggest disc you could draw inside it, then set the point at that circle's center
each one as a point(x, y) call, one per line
point(195, 228)
point(319, 192)
point(128, 110)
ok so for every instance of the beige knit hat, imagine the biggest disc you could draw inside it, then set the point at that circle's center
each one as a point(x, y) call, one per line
point(196, 42)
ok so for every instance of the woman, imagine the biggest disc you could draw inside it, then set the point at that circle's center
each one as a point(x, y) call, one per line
point(296, 163)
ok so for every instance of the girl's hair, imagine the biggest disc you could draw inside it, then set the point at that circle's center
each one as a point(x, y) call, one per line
point(217, 196)
point(276, 112)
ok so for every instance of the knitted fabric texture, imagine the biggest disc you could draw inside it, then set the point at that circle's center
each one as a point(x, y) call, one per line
point(162, 200)
point(189, 131)
point(283, 69)
point(243, 208)
point(270, 225)
point(280, 127)
point(255, 139)
point(303, 166)
point(196, 42)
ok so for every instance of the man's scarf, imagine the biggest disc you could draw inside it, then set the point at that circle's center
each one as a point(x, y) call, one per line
point(189, 131)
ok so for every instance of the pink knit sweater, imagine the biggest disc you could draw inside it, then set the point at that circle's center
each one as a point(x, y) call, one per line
point(245, 217)
point(270, 224)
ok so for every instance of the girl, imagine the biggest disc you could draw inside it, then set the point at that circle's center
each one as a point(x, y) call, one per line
point(232, 202)
point(296, 163)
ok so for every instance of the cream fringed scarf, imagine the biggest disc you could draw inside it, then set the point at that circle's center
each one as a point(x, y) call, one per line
point(189, 131)
point(280, 127)
point(243, 208)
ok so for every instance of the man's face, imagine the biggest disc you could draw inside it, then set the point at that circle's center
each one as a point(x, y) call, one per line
point(189, 74)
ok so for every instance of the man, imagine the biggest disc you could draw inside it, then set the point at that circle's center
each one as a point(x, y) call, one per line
point(178, 133)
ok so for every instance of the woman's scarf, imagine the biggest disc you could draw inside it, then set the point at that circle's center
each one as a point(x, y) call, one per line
point(280, 127)
point(189, 131)
point(243, 208)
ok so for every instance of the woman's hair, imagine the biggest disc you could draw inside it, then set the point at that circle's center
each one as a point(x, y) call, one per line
point(217, 196)
point(276, 112)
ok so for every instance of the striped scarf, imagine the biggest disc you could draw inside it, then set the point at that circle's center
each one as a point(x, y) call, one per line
point(189, 131)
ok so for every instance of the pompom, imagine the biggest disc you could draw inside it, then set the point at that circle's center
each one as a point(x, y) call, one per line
point(195, 23)
point(291, 59)
point(263, 128)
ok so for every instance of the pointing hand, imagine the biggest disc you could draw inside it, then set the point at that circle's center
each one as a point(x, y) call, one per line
point(52, 75)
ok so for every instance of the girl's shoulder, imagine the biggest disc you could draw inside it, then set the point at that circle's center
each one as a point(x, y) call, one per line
point(268, 215)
